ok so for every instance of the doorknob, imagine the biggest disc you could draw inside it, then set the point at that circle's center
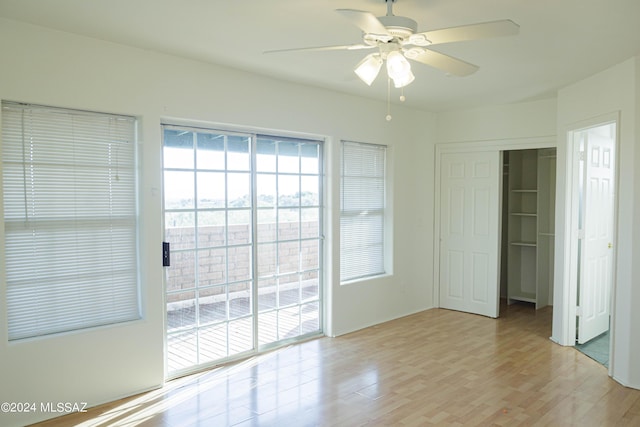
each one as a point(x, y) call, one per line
point(609, 245)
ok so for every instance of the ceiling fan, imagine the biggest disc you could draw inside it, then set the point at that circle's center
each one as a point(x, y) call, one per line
point(395, 38)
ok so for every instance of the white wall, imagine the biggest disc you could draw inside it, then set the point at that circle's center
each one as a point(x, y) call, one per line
point(526, 120)
point(53, 68)
point(613, 90)
point(409, 289)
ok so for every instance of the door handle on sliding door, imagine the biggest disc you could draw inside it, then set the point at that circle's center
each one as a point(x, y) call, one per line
point(166, 254)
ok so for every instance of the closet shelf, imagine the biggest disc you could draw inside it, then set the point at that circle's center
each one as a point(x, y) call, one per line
point(526, 244)
point(526, 297)
point(524, 214)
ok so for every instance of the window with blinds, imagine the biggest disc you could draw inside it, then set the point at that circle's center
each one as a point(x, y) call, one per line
point(70, 219)
point(362, 211)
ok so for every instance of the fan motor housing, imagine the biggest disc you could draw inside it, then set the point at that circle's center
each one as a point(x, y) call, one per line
point(399, 26)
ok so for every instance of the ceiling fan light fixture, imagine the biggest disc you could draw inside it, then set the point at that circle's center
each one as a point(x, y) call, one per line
point(404, 80)
point(367, 70)
point(399, 69)
point(397, 40)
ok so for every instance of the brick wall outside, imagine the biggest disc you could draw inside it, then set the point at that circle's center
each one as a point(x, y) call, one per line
point(211, 261)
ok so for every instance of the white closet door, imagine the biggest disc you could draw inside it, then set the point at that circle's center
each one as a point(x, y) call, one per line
point(596, 272)
point(469, 232)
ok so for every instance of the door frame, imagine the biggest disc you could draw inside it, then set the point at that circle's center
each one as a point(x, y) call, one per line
point(324, 308)
point(498, 145)
point(570, 274)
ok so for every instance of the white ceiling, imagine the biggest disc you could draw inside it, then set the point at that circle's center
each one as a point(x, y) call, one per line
point(560, 41)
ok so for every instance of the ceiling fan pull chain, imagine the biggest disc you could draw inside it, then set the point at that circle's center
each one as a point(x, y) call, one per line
point(388, 99)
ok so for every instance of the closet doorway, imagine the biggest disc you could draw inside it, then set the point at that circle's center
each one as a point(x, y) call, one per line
point(472, 250)
point(528, 226)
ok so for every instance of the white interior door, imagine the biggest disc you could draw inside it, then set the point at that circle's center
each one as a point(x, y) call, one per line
point(597, 209)
point(469, 232)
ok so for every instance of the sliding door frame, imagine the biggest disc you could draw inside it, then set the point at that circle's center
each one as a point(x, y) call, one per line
point(254, 277)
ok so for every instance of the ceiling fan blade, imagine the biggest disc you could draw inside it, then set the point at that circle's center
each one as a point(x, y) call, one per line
point(366, 21)
point(321, 48)
point(446, 63)
point(483, 30)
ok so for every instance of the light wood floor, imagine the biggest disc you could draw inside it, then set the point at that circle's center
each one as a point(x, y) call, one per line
point(437, 367)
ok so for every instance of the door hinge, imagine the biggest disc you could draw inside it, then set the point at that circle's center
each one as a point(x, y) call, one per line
point(578, 311)
point(166, 254)
point(581, 234)
point(581, 155)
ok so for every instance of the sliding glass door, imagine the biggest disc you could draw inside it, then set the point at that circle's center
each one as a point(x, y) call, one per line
point(243, 218)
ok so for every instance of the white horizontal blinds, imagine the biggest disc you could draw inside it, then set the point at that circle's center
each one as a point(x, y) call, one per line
point(69, 190)
point(362, 205)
